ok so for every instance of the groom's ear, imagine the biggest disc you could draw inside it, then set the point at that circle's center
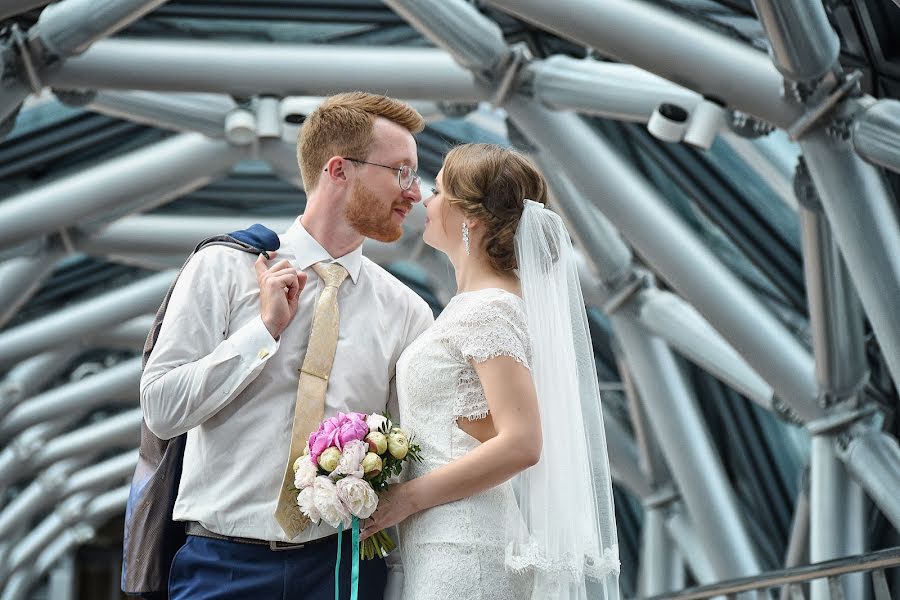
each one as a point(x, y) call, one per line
point(336, 169)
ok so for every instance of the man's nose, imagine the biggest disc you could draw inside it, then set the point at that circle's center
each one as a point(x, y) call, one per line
point(413, 194)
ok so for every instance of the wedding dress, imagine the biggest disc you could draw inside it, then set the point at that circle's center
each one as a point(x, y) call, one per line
point(457, 550)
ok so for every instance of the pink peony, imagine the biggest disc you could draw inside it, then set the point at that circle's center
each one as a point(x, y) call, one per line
point(337, 431)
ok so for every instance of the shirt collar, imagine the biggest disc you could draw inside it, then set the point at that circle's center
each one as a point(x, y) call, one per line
point(308, 251)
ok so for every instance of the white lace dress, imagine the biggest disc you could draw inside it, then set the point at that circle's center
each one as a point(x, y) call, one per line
point(457, 550)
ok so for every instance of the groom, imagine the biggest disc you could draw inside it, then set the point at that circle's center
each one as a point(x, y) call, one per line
point(234, 342)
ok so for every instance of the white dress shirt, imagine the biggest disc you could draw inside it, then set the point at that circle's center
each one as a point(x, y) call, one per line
point(217, 374)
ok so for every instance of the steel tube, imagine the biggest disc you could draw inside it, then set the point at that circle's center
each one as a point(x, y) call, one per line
point(207, 66)
point(659, 236)
point(662, 42)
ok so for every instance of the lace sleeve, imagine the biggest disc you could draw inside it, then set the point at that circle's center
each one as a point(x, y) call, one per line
point(489, 329)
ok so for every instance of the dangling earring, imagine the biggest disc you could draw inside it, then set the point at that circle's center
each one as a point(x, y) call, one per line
point(465, 229)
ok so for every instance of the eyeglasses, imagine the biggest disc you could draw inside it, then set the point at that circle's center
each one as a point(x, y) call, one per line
point(406, 175)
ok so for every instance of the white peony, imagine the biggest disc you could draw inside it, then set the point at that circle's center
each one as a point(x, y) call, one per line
point(351, 459)
point(398, 444)
point(306, 501)
point(376, 421)
point(358, 496)
point(305, 472)
point(327, 502)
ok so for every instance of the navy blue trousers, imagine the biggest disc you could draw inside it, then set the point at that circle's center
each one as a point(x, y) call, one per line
point(207, 569)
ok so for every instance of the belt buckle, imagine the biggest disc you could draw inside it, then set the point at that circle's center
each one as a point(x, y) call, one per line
point(278, 546)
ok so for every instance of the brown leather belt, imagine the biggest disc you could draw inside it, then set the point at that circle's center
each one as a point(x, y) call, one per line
point(195, 528)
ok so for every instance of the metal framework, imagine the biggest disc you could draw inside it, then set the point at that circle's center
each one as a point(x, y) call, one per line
point(672, 303)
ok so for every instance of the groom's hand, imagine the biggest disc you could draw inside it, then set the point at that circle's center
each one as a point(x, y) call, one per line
point(279, 293)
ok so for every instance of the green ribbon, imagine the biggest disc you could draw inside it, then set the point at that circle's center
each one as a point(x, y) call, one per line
point(354, 572)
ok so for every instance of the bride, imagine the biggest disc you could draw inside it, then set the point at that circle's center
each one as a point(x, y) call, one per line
point(513, 499)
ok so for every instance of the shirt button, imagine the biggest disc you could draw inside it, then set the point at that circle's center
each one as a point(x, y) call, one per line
point(263, 353)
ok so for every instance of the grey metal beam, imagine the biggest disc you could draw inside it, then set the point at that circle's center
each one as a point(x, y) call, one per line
point(657, 571)
point(691, 456)
point(865, 223)
point(803, 44)
point(166, 234)
point(678, 323)
point(474, 41)
point(29, 376)
point(604, 89)
point(93, 509)
point(208, 66)
point(115, 383)
point(662, 239)
point(84, 318)
point(623, 459)
point(130, 335)
point(695, 554)
point(609, 256)
point(669, 45)
point(202, 113)
point(69, 27)
point(836, 315)
point(872, 458)
point(21, 277)
point(876, 133)
point(33, 499)
point(122, 429)
point(142, 178)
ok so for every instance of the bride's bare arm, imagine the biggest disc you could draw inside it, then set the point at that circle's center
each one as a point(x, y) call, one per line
point(512, 401)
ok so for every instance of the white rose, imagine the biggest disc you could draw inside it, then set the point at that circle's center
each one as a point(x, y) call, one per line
point(351, 459)
point(306, 501)
point(375, 422)
point(330, 507)
point(305, 472)
point(358, 496)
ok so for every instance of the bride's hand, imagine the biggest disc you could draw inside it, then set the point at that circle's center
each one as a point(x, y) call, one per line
point(394, 506)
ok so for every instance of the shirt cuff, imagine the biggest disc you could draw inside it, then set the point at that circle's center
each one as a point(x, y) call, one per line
point(253, 342)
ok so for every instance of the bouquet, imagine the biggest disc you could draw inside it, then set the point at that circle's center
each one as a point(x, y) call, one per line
point(348, 461)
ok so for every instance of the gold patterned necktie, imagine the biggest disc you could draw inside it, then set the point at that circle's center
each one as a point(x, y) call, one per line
point(309, 408)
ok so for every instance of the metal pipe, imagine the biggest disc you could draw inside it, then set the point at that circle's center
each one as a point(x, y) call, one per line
point(208, 66)
point(122, 429)
point(679, 324)
point(662, 42)
point(121, 380)
point(656, 573)
point(70, 26)
point(609, 255)
point(872, 458)
point(85, 318)
point(38, 495)
point(876, 134)
point(625, 93)
point(696, 554)
point(867, 231)
point(836, 315)
point(30, 376)
point(658, 235)
point(130, 335)
point(166, 234)
point(21, 277)
point(623, 459)
point(202, 113)
point(473, 40)
point(145, 177)
point(802, 42)
point(692, 458)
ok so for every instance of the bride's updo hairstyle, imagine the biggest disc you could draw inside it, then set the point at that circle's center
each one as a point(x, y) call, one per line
point(490, 183)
